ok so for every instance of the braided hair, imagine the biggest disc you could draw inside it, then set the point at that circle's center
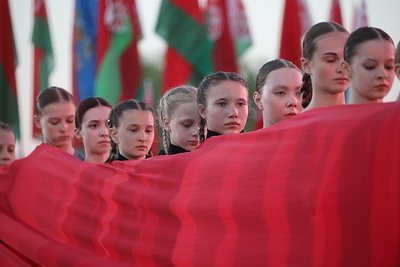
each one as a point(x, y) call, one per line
point(114, 122)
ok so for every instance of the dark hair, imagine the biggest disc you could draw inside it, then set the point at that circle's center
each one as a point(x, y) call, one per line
point(269, 67)
point(362, 35)
point(87, 104)
point(114, 120)
point(397, 57)
point(51, 95)
point(6, 127)
point(209, 81)
point(308, 49)
point(168, 104)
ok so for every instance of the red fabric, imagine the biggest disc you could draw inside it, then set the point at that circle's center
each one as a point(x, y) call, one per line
point(224, 52)
point(296, 21)
point(320, 189)
point(336, 12)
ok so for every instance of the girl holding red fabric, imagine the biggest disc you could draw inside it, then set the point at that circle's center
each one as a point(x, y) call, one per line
point(277, 92)
point(131, 128)
point(324, 81)
point(91, 127)
point(55, 117)
point(223, 104)
point(179, 119)
point(369, 61)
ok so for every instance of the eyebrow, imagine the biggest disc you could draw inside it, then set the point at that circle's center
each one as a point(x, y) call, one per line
point(329, 54)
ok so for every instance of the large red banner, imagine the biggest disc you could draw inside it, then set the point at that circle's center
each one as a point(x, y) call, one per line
point(320, 189)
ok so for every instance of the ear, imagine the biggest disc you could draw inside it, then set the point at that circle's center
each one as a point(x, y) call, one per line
point(77, 134)
point(36, 120)
point(346, 69)
point(202, 111)
point(397, 71)
point(113, 134)
point(257, 100)
point(305, 64)
point(166, 125)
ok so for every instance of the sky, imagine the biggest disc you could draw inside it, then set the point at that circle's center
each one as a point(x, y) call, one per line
point(264, 18)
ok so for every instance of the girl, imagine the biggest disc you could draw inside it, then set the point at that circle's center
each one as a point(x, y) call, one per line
point(222, 99)
point(91, 127)
point(131, 128)
point(7, 144)
point(55, 117)
point(179, 119)
point(321, 60)
point(277, 92)
point(369, 62)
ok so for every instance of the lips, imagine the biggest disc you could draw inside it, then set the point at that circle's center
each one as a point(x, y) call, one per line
point(104, 142)
point(232, 124)
point(290, 114)
point(194, 143)
point(382, 87)
point(141, 147)
point(342, 80)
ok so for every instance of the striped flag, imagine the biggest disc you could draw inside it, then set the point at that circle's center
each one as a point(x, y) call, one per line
point(229, 31)
point(8, 63)
point(118, 66)
point(296, 21)
point(42, 55)
point(188, 57)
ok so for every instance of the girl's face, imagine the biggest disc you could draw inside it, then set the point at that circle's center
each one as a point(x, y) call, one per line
point(7, 147)
point(372, 70)
point(280, 98)
point(57, 123)
point(94, 131)
point(135, 134)
point(325, 65)
point(183, 126)
point(226, 110)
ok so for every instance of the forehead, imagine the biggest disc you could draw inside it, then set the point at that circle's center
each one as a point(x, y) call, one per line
point(230, 90)
point(284, 76)
point(99, 113)
point(332, 42)
point(136, 116)
point(376, 49)
point(7, 137)
point(59, 109)
point(186, 110)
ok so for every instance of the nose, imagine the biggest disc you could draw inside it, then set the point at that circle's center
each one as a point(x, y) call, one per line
point(142, 136)
point(104, 131)
point(233, 111)
point(292, 101)
point(62, 126)
point(381, 72)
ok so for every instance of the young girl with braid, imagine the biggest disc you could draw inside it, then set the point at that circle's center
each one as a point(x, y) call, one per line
point(324, 81)
point(131, 128)
point(179, 119)
point(223, 104)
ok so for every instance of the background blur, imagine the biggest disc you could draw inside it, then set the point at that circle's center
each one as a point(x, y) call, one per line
point(264, 18)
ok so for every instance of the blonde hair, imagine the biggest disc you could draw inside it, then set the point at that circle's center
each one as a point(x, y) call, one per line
point(168, 104)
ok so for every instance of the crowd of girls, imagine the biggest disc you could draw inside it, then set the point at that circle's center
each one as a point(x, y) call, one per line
point(333, 60)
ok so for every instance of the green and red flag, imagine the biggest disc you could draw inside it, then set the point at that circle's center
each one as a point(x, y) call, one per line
point(43, 62)
point(188, 59)
point(229, 32)
point(8, 62)
point(118, 75)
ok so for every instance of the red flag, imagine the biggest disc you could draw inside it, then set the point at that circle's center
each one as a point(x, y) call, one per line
point(188, 57)
point(281, 196)
point(360, 18)
point(336, 12)
point(42, 55)
point(118, 74)
point(224, 53)
point(296, 21)
point(8, 63)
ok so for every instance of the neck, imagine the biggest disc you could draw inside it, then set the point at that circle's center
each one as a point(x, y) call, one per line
point(96, 158)
point(319, 100)
point(68, 148)
point(357, 98)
